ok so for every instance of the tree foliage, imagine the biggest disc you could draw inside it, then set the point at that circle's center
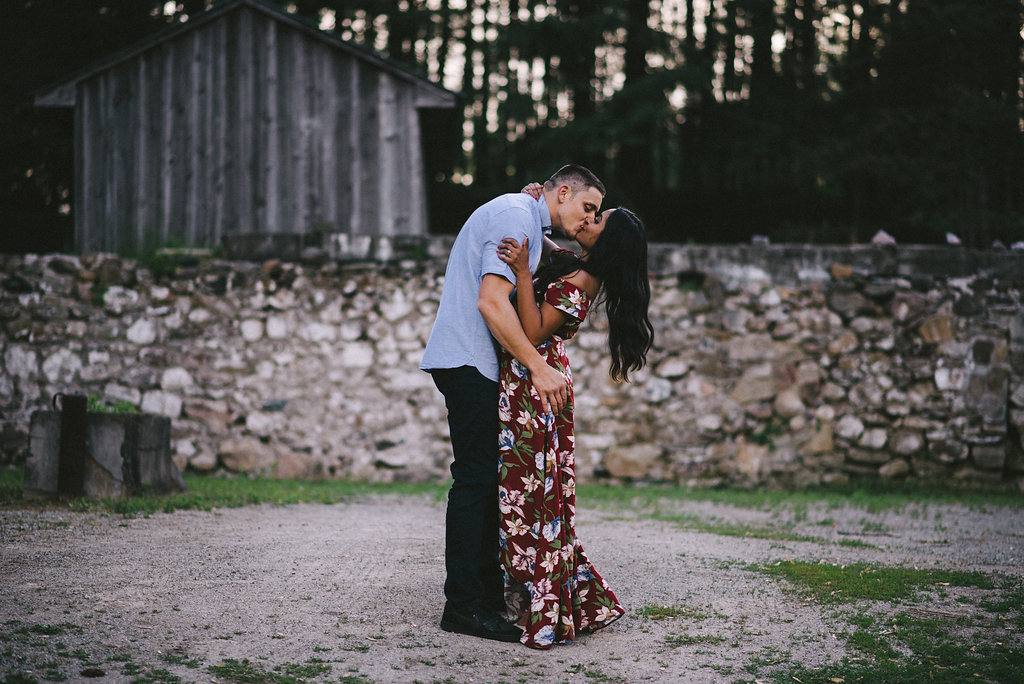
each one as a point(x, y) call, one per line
point(802, 120)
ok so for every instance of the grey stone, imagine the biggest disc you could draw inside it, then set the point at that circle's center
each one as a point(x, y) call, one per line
point(785, 330)
point(736, 319)
point(821, 440)
point(750, 348)
point(1017, 397)
point(263, 424)
point(176, 379)
point(162, 403)
point(850, 427)
point(21, 362)
point(356, 355)
point(116, 392)
point(750, 460)
point(277, 327)
point(632, 462)
point(756, 384)
point(850, 304)
point(200, 316)
point(251, 329)
point(908, 305)
point(709, 422)
point(142, 331)
point(62, 367)
point(296, 465)
point(317, 332)
point(894, 469)
point(204, 460)
point(989, 457)
point(843, 343)
point(950, 379)
point(656, 390)
point(986, 393)
point(117, 300)
point(947, 450)
point(874, 438)
point(936, 329)
point(868, 456)
point(397, 308)
point(246, 455)
point(788, 403)
point(906, 442)
point(673, 367)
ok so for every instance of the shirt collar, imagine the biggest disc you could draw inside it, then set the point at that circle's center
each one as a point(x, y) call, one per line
point(543, 215)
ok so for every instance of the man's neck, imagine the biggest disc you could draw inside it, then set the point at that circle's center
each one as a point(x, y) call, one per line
point(551, 200)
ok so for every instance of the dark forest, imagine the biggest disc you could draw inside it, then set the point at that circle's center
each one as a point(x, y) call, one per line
point(820, 121)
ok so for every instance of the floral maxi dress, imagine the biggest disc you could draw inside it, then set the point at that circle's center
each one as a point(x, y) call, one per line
point(551, 588)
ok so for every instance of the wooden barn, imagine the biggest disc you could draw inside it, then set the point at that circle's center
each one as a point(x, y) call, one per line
point(246, 128)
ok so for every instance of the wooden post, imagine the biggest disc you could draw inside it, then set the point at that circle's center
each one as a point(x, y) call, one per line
point(71, 469)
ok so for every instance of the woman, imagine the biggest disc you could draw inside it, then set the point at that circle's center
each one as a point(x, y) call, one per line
point(551, 588)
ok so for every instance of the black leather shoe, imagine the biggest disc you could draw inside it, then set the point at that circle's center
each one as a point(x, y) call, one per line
point(479, 624)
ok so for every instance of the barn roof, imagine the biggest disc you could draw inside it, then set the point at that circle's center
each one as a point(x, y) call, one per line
point(428, 93)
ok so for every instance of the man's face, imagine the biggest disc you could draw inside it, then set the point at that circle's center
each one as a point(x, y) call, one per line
point(575, 212)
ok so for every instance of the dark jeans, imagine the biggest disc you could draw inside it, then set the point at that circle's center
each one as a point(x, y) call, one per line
point(471, 524)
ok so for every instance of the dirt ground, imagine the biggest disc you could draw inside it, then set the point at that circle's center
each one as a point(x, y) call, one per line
point(351, 592)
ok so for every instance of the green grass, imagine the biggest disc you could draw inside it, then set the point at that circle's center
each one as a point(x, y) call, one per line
point(670, 612)
point(97, 405)
point(208, 493)
point(1009, 606)
point(861, 581)
point(245, 672)
point(906, 648)
point(44, 650)
point(901, 647)
point(677, 640)
point(872, 497)
point(11, 482)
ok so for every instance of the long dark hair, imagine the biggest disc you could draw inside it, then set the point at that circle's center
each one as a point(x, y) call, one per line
point(619, 260)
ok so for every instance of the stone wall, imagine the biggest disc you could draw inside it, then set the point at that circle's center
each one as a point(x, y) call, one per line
point(772, 364)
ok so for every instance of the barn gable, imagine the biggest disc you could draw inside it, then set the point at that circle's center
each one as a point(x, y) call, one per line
point(243, 126)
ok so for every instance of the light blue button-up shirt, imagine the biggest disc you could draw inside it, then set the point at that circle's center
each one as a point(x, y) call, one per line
point(460, 337)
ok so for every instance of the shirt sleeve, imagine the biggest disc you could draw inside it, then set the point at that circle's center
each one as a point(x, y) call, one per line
point(568, 299)
point(514, 223)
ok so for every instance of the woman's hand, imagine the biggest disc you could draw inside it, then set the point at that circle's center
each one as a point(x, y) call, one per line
point(515, 255)
point(534, 190)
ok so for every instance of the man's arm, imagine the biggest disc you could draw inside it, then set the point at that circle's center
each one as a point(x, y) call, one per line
point(501, 318)
point(549, 246)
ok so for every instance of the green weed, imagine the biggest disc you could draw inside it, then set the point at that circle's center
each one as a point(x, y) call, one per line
point(872, 497)
point(841, 583)
point(670, 612)
point(677, 640)
point(905, 648)
point(181, 659)
point(209, 493)
point(96, 405)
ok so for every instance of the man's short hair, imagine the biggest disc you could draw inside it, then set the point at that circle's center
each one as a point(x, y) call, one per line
point(577, 178)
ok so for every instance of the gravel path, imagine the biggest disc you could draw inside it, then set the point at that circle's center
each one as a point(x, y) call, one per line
point(357, 587)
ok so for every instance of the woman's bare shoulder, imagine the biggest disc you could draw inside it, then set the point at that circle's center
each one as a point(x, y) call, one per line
point(584, 281)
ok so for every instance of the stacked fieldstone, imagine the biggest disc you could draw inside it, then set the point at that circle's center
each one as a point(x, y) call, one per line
point(310, 369)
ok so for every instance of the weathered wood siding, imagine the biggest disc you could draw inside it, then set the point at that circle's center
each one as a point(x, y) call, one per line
point(245, 126)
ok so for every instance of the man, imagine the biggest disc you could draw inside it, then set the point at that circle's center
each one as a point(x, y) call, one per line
point(476, 313)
